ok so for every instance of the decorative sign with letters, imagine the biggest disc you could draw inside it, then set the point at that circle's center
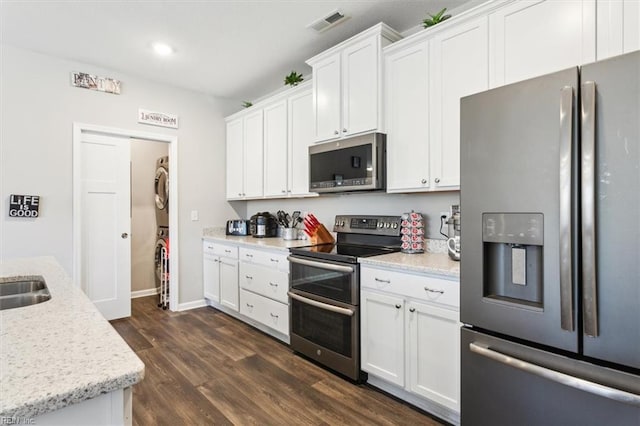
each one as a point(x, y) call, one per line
point(95, 82)
point(24, 205)
point(161, 119)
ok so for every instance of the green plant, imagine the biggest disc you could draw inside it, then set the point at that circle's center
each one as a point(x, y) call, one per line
point(293, 79)
point(246, 104)
point(435, 19)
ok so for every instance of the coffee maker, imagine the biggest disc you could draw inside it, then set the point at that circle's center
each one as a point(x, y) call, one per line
point(453, 242)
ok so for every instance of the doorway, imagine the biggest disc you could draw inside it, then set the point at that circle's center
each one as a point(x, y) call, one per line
point(104, 212)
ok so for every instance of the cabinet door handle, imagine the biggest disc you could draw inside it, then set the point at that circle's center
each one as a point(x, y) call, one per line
point(275, 260)
point(227, 251)
point(249, 305)
point(273, 284)
point(274, 315)
point(437, 180)
point(335, 132)
point(412, 310)
point(249, 277)
point(380, 280)
point(344, 130)
point(284, 191)
point(248, 255)
point(423, 181)
point(429, 290)
point(398, 306)
point(216, 260)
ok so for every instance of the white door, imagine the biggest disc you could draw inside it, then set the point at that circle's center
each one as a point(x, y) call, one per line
point(326, 98)
point(300, 137)
point(275, 149)
point(229, 283)
point(360, 87)
point(382, 340)
point(253, 155)
point(105, 211)
point(235, 159)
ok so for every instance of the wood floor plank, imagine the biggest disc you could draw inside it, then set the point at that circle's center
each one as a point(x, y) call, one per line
point(205, 367)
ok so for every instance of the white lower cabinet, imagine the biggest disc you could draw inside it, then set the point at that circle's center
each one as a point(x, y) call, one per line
point(220, 273)
point(410, 336)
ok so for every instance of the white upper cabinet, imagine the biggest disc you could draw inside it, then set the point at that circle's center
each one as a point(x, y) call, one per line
point(425, 77)
point(244, 156)
point(459, 66)
point(300, 137)
point(275, 149)
point(347, 86)
point(268, 147)
point(618, 24)
point(407, 118)
point(532, 38)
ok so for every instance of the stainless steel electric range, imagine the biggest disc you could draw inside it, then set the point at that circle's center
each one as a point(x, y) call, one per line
point(324, 290)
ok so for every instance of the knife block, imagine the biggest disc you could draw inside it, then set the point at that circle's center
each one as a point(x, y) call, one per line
point(321, 236)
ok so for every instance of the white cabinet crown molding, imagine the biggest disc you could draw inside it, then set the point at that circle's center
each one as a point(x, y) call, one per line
point(271, 98)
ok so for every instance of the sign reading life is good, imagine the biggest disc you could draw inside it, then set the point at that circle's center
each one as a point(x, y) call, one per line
point(24, 205)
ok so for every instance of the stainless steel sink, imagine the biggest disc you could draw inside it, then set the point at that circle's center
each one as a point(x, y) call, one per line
point(22, 291)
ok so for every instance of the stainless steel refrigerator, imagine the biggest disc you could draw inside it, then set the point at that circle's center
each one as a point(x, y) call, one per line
point(550, 268)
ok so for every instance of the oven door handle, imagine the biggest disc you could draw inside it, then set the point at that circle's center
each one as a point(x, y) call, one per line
point(322, 265)
point(325, 306)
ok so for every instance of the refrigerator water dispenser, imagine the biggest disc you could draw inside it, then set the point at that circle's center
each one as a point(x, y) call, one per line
point(512, 251)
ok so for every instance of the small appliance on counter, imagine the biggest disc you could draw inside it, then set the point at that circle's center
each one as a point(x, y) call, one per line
point(263, 225)
point(453, 243)
point(412, 230)
point(237, 227)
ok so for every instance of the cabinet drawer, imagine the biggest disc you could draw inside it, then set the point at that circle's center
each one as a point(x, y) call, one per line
point(216, 249)
point(273, 314)
point(266, 258)
point(420, 287)
point(265, 281)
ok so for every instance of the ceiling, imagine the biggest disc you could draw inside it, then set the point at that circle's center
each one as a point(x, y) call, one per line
point(233, 49)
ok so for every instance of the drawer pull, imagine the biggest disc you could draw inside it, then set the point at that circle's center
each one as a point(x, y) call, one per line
point(249, 277)
point(273, 284)
point(382, 281)
point(398, 306)
point(227, 251)
point(274, 315)
point(412, 310)
point(210, 247)
point(248, 255)
point(275, 260)
point(430, 290)
point(249, 305)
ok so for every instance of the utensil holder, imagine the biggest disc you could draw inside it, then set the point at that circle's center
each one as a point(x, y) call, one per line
point(289, 233)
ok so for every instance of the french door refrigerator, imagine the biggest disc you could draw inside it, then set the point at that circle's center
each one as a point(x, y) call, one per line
point(550, 268)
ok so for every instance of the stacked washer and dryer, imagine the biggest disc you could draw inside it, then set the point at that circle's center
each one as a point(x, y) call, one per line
point(162, 220)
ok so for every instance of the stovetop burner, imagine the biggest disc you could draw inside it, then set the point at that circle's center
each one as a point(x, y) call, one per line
point(357, 236)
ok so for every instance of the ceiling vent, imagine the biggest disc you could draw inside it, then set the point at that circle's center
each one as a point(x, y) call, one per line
point(331, 20)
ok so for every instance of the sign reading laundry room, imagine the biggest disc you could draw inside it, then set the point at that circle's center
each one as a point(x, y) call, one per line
point(157, 118)
point(24, 205)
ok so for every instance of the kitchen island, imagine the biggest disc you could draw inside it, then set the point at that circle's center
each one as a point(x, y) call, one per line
point(61, 362)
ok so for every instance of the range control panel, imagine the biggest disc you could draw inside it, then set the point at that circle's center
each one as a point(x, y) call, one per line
point(376, 225)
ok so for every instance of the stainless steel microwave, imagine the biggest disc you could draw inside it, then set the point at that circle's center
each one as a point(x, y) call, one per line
point(353, 164)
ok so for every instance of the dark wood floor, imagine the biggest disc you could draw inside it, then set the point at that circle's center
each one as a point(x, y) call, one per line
point(204, 367)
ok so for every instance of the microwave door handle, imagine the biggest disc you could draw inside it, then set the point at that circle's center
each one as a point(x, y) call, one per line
point(566, 141)
point(589, 285)
point(325, 306)
point(321, 265)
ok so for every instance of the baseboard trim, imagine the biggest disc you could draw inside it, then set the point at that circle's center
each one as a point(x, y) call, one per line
point(144, 293)
point(191, 305)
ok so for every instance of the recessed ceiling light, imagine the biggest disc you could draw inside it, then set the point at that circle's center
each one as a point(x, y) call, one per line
point(162, 49)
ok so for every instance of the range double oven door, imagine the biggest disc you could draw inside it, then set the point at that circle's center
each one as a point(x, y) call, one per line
point(324, 313)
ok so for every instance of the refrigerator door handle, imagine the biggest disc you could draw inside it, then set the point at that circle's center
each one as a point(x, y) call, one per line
point(558, 377)
point(566, 142)
point(589, 285)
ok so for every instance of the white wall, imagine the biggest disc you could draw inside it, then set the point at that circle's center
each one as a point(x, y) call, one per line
point(144, 227)
point(326, 207)
point(37, 109)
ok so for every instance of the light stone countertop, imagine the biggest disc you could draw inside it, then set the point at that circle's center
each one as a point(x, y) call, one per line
point(429, 263)
point(218, 234)
point(59, 352)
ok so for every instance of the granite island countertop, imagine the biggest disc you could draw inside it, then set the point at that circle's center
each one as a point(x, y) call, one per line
point(218, 234)
point(59, 352)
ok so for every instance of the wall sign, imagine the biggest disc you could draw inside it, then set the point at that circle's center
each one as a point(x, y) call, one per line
point(94, 82)
point(24, 205)
point(155, 118)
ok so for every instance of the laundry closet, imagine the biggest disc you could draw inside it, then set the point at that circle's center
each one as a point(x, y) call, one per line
point(149, 218)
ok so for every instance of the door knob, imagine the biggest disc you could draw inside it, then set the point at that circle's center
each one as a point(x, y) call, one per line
point(437, 180)
point(124, 235)
point(423, 181)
